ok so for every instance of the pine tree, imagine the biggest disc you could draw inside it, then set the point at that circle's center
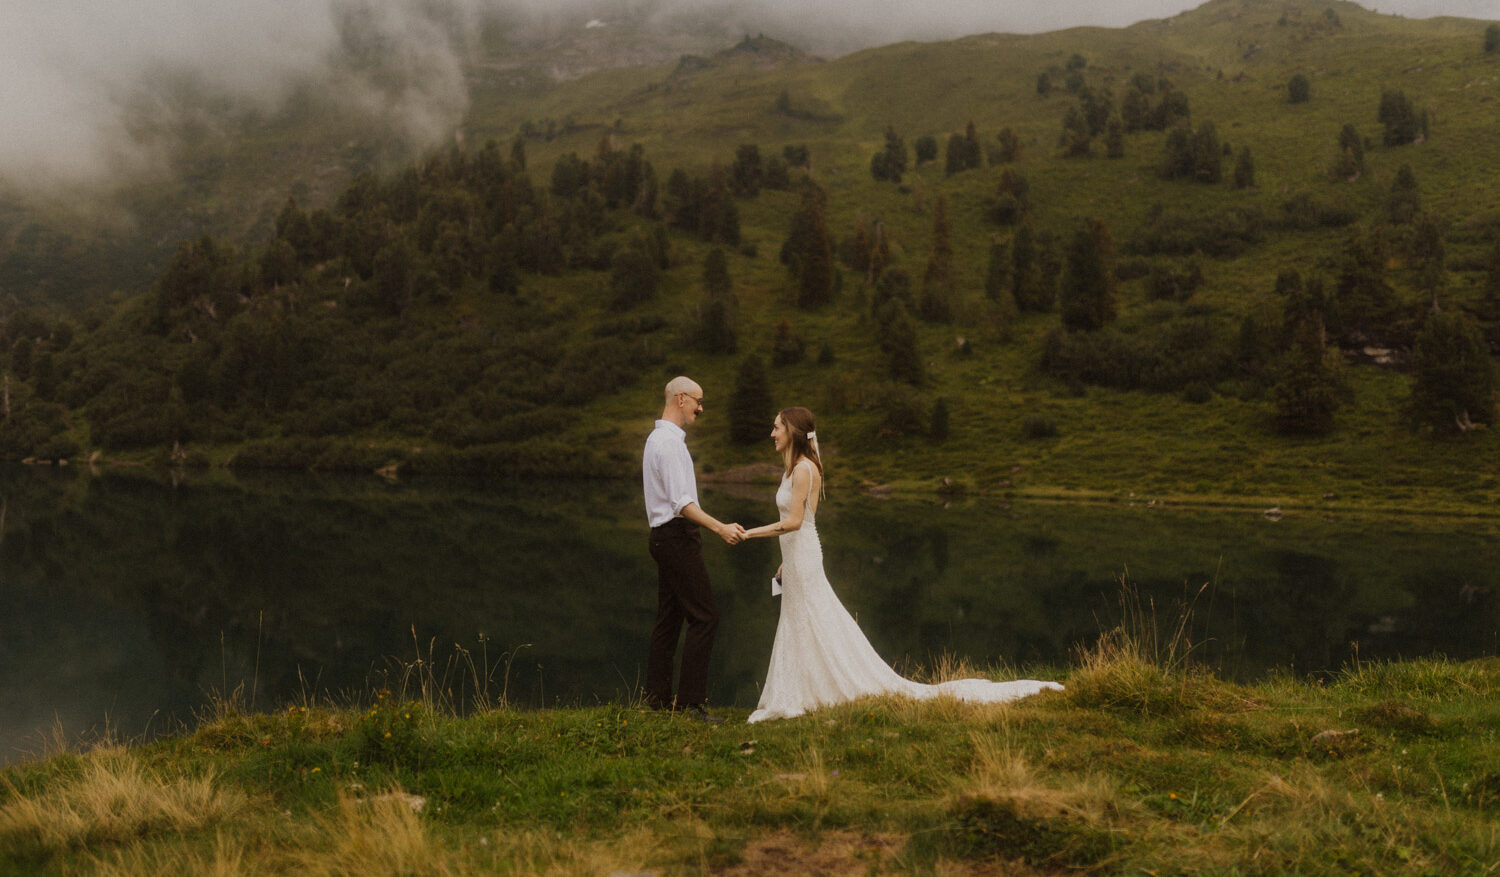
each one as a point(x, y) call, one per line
point(1405, 200)
point(1428, 255)
point(1244, 170)
point(1351, 161)
point(1364, 301)
point(1308, 384)
point(997, 271)
point(938, 423)
point(1026, 282)
point(1207, 156)
point(1298, 89)
point(973, 153)
point(814, 252)
point(1399, 118)
point(1088, 292)
point(1453, 382)
point(897, 336)
point(890, 163)
point(719, 307)
point(746, 173)
point(787, 347)
point(926, 149)
point(1114, 138)
point(937, 282)
point(633, 278)
point(750, 405)
point(860, 248)
point(1492, 39)
point(1075, 140)
point(1010, 145)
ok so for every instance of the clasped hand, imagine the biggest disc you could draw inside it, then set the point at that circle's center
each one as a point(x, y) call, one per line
point(733, 534)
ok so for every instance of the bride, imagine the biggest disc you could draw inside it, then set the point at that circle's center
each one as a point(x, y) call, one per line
point(820, 656)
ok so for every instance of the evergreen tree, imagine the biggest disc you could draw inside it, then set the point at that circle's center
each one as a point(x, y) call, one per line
point(926, 148)
point(814, 252)
point(1405, 200)
point(1207, 156)
point(1178, 160)
point(1492, 39)
point(1364, 300)
point(1351, 161)
point(518, 153)
point(897, 336)
point(1244, 170)
point(954, 161)
point(750, 405)
point(1298, 89)
point(1026, 283)
point(996, 273)
point(1088, 291)
point(719, 308)
point(1399, 118)
point(1114, 138)
point(746, 173)
point(1010, 146)
point(1044, 83)
point(973, 152)
point(1453, 382)
point(1097, 106)
point(890, 163)
point(633, 278)
point(787, 347)
point(1075, 140)
point(1428, 256)
point(1308, 384)
point(860, 249)
point(797, 155)
point(1135, 110)
point(937, 282)
point(938, 423)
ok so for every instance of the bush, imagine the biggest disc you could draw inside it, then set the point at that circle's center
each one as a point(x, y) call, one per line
point(1306, 212)
point(905, 413)
point(1037, 427)
point(1298, 89)
point(1222, 233)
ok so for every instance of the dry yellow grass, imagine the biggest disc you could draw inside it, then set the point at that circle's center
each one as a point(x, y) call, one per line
point(114, 799)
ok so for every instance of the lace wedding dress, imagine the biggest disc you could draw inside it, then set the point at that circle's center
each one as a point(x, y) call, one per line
point(821, 657)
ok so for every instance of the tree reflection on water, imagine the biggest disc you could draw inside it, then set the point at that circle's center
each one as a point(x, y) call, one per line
point(131, 598)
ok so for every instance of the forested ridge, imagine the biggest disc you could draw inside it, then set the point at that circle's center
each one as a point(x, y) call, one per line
point(1119, 261)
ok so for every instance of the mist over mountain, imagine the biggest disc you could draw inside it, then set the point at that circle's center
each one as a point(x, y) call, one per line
point(95, 90)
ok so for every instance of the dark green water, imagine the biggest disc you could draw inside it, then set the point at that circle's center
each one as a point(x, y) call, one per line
point(126, 600)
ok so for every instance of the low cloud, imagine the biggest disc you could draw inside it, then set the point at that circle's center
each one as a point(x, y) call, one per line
point(88, 86)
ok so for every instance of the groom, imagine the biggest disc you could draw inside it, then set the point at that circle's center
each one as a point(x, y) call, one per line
point(683, 593)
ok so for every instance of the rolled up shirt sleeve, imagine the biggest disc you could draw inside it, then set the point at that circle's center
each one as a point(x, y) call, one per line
point(681, 483)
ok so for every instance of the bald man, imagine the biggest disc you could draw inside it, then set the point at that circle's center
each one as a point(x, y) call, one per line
point(683, 592)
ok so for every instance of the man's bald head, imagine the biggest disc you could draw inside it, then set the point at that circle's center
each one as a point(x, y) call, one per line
point(681, 384)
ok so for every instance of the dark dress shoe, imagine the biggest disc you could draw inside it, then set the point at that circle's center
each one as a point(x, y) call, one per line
point(697, 713)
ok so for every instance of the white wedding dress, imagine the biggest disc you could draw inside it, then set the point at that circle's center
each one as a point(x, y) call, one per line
point(821, 657)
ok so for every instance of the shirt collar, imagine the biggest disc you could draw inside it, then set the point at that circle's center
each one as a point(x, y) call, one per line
point(669, 425)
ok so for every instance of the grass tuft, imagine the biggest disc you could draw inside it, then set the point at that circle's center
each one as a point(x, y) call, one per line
point(113, 799)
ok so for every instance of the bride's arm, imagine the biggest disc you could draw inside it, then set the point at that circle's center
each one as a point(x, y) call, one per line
point(801, 484)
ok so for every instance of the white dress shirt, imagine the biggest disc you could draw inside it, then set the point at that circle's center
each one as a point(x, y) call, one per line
point(667, 473)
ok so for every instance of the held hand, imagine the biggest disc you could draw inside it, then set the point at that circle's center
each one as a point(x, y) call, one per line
point(732, 534)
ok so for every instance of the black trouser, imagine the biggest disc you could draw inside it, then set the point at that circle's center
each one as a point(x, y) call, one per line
point(682, 595)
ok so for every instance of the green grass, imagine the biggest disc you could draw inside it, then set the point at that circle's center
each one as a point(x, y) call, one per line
point(1145, 764)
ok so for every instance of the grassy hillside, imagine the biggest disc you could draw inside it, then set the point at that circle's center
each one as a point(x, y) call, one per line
point(1012, 425)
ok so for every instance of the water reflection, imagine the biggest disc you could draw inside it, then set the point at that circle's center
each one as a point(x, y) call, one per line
point(128, 598)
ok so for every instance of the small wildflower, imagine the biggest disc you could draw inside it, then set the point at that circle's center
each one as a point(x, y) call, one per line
point(1173, 796)
point(387, 734)
point(317, 770)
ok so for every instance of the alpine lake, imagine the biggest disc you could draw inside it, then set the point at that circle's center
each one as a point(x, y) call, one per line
point(132, 601)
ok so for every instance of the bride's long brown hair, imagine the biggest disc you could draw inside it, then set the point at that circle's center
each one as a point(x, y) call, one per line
point(799, 424)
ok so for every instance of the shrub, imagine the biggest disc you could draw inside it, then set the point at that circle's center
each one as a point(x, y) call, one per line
point(1038, 427)
point(1225, 232)
point(1298, 89)
point(905, 413)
